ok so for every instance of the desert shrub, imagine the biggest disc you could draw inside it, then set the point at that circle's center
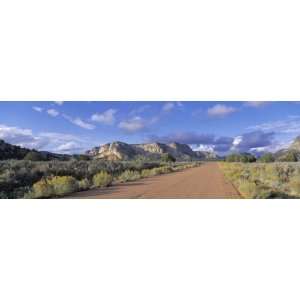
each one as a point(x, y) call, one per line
point(166, 157)
point(146, 173)
point(81, 157)
point(264, 180)
point(63, 185)
point(53, 187)
point(129, 176)
point(41, 189)
point(102, 179)
point(34, 156)
point(267, 158)
point(166, 169)
point(294, 185)
point(17, 177)
point(84, 184)
point(247, 189)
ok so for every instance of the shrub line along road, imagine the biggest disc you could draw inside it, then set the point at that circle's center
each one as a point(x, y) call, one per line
point(206, 181)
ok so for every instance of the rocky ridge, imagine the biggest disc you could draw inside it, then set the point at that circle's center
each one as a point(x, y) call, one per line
point(123, 151)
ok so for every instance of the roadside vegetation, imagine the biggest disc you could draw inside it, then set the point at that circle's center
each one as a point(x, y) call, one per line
point(264, 179)
point(31, 178)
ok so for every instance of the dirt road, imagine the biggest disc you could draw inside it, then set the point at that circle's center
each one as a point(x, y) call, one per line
point(206, 181)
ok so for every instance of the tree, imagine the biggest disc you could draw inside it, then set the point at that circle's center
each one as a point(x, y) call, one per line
point(243, 157)
point(267, 158)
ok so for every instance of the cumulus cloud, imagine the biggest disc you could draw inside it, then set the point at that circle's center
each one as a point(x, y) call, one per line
point(69, 147)
point(77, 121)
point(132, 125)
point(37, 108)
point(290, 125)
point(52, 112)
point(256, 103)
point(201, 147)
point(107, 117)
point(20, 136)
point(59, 102)
point(140, 110)
point(247, 142)
point(50, 141)
point(252, 140)
point(220, 110)
point(169, 106)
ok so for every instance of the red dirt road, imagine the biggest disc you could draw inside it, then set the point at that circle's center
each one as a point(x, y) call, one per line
point(206, 181)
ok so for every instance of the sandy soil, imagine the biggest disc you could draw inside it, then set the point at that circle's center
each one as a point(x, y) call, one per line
point(206, 181)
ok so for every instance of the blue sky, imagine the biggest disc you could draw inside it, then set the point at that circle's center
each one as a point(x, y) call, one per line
point(75, 126)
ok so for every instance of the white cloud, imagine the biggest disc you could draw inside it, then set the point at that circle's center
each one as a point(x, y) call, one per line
point(50, 141)
point(59, 102)
point(256, 103)
point(291, 125)
point(201, 147)
point(168, 106)
point(68, 147)
point(107, 117)
point(237, 140)
point(220, 110)
point(37, 108)
point(79, 122)
point(133, 125)
point(52, 112)
point(19, 136)
point(139, 110)
point(251, 141)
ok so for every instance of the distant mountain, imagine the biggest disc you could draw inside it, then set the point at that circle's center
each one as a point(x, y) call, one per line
point(295, 145)
point(8, 151)
point(123, 151)
point(291, 153)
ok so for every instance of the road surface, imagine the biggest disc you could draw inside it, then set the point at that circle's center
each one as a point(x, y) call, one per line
point(206, 181)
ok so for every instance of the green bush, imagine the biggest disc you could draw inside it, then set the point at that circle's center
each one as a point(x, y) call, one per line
point(102, 179)
point(17, 177)
point(146, 173)
point(129, 176)
point(41, 189)
point(84, 184)
point(267, 158)
point(63, 185)
point(247, 189)
point(264, 180)
point(240, 157)
point(166, 157)
point(53, 187)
